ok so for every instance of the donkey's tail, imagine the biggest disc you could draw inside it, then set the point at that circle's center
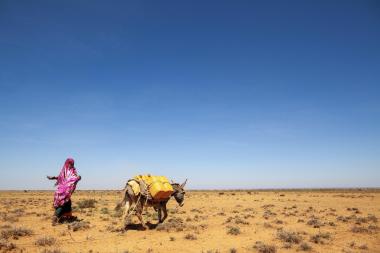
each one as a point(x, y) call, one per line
point(124, 199)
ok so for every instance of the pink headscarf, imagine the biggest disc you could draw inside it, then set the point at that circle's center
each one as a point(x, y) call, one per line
point(66, 182)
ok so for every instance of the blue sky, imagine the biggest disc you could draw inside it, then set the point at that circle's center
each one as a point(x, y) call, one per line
point(230, 94)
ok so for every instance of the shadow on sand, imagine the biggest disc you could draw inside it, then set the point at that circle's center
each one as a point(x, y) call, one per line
point(135, 226)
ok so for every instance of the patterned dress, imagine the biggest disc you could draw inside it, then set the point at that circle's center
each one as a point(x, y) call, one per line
point(66, 183)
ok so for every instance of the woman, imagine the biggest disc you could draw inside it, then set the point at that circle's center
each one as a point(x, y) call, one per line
point(66, 182)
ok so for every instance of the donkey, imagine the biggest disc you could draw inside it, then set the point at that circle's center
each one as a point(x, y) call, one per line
point(137, 203)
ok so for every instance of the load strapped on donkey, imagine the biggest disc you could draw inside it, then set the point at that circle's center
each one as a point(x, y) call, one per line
point(155, 188)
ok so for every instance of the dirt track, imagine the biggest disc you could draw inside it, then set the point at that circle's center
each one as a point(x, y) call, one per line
point(213, 221)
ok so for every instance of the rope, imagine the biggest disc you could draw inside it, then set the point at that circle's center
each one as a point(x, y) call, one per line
point(130, 212)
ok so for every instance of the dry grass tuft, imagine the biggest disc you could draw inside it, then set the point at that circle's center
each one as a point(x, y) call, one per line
point(172, 224)
point(314, 222)
point(264, 248)
point(190, 237)
point(86, 203)
point(79, 225)
point(52, 251)
point(305, 247)
point(233, 230)
point(15, 233)
point(6, 246)
point(360, 229)
point(45, 241)
point(289, 237)
point(320, 238)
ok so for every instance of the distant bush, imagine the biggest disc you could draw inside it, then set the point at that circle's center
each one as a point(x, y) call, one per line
point(264, 248)
point(45, 241)
point(319, 238)
point(305, 247)
point(190, 237)
point(173, 224)
point(290, 237)
point(232, 230)
point(86, 203)
point(6, 246)
point(15, 233)
point(79, 225)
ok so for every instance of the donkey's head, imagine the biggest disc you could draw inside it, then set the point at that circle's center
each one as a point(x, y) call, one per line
point(179, 192)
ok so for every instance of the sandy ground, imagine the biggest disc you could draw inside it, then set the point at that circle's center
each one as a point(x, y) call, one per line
point(212, 221)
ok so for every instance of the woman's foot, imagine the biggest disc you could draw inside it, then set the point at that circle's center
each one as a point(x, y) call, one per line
point(54, 221)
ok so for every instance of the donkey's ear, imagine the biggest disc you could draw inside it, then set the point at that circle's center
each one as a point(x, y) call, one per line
point(184, 183)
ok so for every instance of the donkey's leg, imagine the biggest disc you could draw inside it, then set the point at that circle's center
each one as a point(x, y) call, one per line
point(164, 209)
point(159, 212)
point(127, 211)
point(139, 211)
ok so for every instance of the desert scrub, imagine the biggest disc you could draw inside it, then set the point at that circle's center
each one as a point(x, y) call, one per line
point(304, 247)
point(79, 225)
point(264, 248)
point(86, 203)
point(289, 237)
point(239, 220)
point(369, 218)
point(6, 246)
point(190, 237)
point(195, 210)
point(320, 238)
point(15, 233)
point(172, 224)
point(104, 210)
point(359, 229)
point(45, 241)
point(117, 213)
point(53, 251)
point(233, 230)
point(314, 222)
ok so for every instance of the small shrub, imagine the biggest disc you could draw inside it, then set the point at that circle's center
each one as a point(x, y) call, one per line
point(238, 220)
point(117, 213)
point(45, 241)
point(15, 233)
point(233, 250)
point(173, 224)
point(52, 251)
point(264, 248)
point(267, 225)
point(6, 246)
point(290, 237)
point(86, 203)
point(190, 237)
point(314, 222)
point(79, 225)
point(233, 230)
point(358, 229)
point(305, 247)
point(319, 238)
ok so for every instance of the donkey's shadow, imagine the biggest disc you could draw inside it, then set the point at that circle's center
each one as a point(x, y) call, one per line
point(139, 226)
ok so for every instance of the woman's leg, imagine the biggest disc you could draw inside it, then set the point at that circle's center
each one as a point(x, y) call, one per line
point(60, 211)
point(67, 207)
